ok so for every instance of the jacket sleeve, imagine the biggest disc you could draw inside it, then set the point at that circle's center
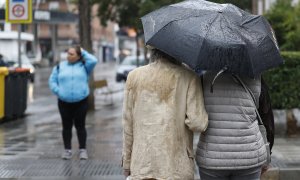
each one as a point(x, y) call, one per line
point(127, 122)
point(90, 61)
point(266, 112)
point(53, 81)
point(196, 115)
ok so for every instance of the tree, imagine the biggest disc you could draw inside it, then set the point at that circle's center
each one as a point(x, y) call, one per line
point(150, 5)
point(245, 4)
point(127, 13)
point(284, 18)
point(292, 36)
point(84, 24)
point(85, 39)
point(123, 12)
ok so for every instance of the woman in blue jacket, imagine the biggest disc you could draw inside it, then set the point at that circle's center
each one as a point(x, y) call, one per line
point(69, 82)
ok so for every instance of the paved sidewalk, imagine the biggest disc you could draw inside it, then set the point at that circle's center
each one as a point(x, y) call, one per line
point(285, 159)
point(30, 148)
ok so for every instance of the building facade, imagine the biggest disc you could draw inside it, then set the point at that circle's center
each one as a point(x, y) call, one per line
point(55, 27)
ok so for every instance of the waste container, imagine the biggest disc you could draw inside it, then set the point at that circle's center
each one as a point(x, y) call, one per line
point(3, 73)
point(16, 85)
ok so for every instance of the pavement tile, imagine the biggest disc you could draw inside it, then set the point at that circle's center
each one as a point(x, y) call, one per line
point(30, 147)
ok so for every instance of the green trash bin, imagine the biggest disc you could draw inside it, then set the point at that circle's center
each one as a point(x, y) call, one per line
point(16, 93)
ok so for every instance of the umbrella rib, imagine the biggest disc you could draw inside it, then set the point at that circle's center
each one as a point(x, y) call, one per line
point(211, 24)
point(228, 21)
point(272, 32)
point(244, 40)
point(223, 31)
point(170, 23)
point(236, 9)
point(208, 31)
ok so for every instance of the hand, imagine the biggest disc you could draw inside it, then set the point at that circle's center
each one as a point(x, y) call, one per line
point(81, 49)
point(126, 172)
point(264, 169)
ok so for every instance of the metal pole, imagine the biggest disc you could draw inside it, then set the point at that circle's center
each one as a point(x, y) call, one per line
point(35, 40)
point(53, 44)
point(19, 45)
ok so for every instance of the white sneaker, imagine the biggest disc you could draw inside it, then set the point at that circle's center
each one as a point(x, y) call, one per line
point(83, 154)
point(67, 154)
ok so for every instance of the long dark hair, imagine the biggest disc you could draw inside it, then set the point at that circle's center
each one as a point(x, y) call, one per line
point(78, 51)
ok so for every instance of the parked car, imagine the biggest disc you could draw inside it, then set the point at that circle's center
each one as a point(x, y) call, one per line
point(127, 65)
point(13, 62)
point(35, 58)
point(63, 55)
point(9, 49)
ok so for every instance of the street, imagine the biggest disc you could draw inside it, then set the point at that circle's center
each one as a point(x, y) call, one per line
point(255, 42)
point(31, 147)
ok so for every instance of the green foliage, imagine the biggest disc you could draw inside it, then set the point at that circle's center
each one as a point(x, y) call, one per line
point(285, 20)
point(245, 4)
point(150, 5)
point(128, 12)
point(293, 35)
point(108, 10)
point(76, 1)
point(284, 82)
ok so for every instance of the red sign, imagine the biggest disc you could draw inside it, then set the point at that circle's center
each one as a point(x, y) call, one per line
point(18, 10)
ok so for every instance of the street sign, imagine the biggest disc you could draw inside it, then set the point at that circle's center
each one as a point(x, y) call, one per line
point(18, 11)
point(42, 15)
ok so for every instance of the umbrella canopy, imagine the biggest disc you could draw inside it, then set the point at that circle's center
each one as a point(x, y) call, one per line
point(211, 36)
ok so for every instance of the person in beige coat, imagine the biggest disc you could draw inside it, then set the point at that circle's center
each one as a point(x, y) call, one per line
point(163, 105)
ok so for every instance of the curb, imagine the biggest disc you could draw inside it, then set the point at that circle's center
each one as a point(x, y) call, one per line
point(282, 174)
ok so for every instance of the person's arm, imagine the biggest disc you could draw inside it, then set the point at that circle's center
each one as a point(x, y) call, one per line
point(53, 81)
point(266, 113)
point(90, 61)
point(196, 115)
point(127, 122)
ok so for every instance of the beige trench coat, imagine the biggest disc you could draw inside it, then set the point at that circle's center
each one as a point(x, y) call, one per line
point(163, 104)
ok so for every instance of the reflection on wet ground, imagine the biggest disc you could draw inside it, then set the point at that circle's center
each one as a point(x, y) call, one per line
point(23, 141)
point(30, 148)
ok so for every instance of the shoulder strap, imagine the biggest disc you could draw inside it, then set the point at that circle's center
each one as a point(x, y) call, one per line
point(57, 67)
point(83, 63)
point(252, 97)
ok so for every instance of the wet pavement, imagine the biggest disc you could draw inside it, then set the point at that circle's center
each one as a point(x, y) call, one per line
point(30, 147)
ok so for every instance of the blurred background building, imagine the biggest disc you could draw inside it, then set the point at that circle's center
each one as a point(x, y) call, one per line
point(55, 28)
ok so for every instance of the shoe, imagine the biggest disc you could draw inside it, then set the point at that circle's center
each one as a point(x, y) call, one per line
point(83, 154)
point(67, 154)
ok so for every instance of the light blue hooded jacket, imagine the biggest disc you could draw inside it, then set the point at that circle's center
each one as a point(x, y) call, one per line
point(70, 81)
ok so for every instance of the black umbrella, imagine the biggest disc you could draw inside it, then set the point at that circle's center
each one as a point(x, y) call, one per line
point(211, 36)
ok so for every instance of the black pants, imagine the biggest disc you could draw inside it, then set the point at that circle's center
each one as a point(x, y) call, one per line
point(73, 113)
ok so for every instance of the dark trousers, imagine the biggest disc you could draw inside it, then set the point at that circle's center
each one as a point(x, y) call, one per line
point(242, 174)
point(73, 113)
